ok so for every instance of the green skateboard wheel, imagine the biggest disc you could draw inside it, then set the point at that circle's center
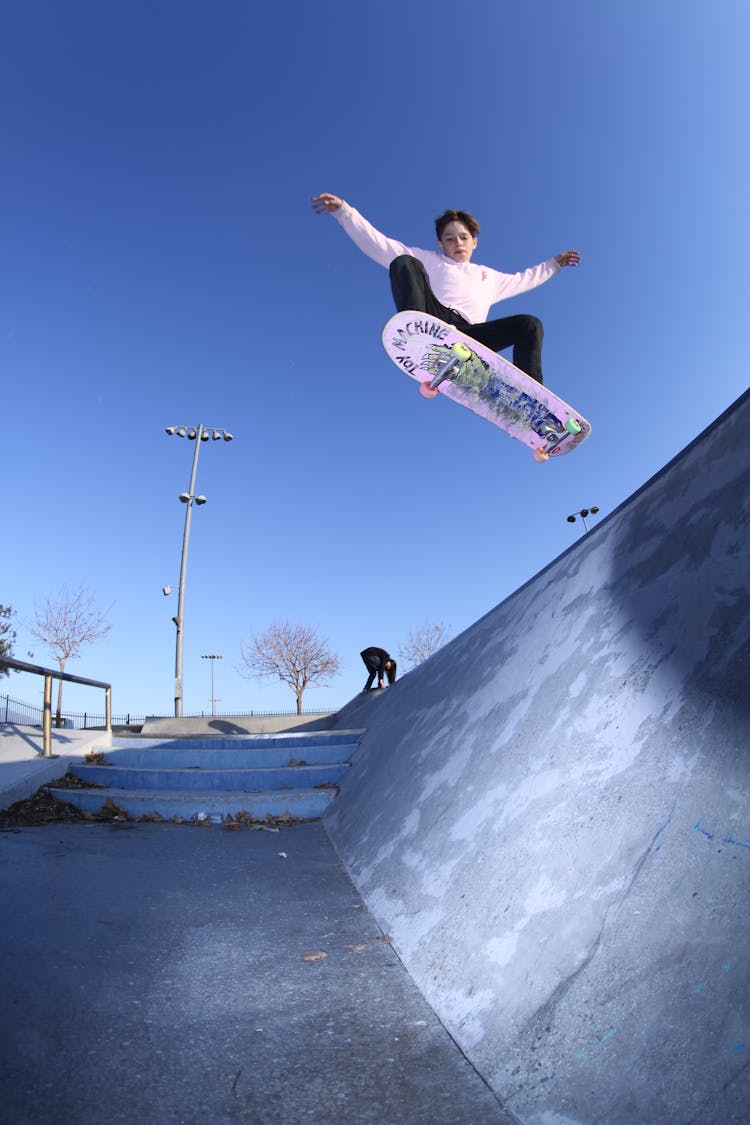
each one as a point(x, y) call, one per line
point(572, 426)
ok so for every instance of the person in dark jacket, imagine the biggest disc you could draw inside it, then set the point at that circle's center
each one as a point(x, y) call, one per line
point(378, 663)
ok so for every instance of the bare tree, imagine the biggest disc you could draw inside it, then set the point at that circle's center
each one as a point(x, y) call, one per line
point(294, 653)
point(7, 636)
point(421, 642)
point(65, 623)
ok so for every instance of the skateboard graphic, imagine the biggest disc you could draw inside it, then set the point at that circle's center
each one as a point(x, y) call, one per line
point(444, 361)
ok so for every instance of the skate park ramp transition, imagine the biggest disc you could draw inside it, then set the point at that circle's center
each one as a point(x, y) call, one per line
point(550, 816)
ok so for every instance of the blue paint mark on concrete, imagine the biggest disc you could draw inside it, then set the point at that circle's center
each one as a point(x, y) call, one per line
point(737, 1048)
point(731, 839)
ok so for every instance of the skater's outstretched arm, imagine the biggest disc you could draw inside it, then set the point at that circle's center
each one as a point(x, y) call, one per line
point(569, 258)
point(324, 203)
point(362, 233)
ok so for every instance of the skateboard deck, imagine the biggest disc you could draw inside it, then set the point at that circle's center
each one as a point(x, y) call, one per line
point(445, 361)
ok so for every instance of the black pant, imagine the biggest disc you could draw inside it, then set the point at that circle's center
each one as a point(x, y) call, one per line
point(372, 664)
point(411, 289)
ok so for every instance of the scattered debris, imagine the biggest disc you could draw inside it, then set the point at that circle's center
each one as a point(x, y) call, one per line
point(269, 823)
point(317, 956)
point(40, 808)
point(70, 781)
point(111, 811)
point(43, 808)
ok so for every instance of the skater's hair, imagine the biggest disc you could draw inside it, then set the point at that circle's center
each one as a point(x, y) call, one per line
point(391, 672)
point(456, 217)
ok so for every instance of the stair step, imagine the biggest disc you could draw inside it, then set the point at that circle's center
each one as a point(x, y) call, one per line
point(211, 778)
point(244, 741)
point(214, 776)
point(302, 804)
point(202, 756)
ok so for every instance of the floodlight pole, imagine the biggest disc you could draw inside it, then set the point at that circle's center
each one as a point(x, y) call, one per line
point(198, 434)
point(183, 575)
point(212, 656)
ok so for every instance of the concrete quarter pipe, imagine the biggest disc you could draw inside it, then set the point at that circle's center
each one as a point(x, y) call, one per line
point(551, 815)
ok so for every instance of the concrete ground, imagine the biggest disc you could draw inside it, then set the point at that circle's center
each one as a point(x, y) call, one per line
point(174, 974)
point(161, 973)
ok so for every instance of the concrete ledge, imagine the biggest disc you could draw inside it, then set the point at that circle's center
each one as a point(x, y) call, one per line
point(238, 724)
point(23, 767)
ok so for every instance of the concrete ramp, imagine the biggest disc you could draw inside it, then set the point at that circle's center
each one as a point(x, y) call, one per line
point(551, 816)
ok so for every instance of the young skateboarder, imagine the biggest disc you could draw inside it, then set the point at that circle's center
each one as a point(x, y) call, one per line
point(447, 284)
point(378, 663)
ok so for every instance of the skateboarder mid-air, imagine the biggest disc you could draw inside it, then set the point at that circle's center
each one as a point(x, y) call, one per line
point(448, 285)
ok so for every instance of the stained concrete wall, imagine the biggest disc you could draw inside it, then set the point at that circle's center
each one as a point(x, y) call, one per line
point(551, 816)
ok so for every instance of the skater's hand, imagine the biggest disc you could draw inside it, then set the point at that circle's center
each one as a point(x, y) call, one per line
point(569, 258)
point(325, 203)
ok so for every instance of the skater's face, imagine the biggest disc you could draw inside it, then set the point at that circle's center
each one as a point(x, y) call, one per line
point(457, 242)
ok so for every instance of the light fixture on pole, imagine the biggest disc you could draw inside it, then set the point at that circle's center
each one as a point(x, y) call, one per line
point(197, 434)
point(212, 656)
point(584, 512)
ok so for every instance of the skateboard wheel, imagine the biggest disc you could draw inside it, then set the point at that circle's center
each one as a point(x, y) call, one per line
point(461, 351)
point(540, 456)
point(573, 426)
point(426, 390)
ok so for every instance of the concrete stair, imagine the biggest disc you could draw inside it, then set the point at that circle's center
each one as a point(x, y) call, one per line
point(215, 777)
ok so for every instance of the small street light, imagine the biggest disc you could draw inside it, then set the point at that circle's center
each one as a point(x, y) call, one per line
point(197, 434)
point(584, 512)
point(212, 656)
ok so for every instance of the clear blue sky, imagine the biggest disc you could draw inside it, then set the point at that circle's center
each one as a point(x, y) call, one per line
point(161, 265)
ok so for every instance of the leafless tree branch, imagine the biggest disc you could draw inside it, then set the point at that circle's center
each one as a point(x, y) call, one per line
point(422, 642)
point(293, 653)
point(64, 623)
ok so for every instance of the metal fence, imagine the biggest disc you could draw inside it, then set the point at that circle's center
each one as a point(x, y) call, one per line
point(25, 714)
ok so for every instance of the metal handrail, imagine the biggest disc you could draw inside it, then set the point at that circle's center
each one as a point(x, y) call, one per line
point(50, 675)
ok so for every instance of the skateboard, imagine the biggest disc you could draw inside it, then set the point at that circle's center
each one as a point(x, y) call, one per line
point(444, 361)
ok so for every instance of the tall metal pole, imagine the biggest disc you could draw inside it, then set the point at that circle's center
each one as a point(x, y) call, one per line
point(183, 575)
point(212, 656)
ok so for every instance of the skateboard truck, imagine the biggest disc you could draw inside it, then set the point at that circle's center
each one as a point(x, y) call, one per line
point(555, 435)
point(429, 388)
